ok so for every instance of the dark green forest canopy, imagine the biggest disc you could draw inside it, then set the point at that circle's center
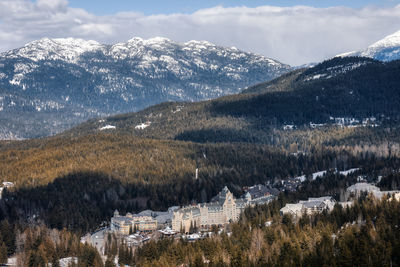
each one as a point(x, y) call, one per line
point(352, 87)
point(365, 234)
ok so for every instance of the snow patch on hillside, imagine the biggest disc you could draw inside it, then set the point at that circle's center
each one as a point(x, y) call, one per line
point(350, 171)
point(143, 125)
point(335, 71)
point(108, 127)
point(315, 175)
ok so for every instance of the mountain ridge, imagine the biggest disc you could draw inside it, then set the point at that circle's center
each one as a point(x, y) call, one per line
point(386, 49)
point(336, 90)
point(79, 79)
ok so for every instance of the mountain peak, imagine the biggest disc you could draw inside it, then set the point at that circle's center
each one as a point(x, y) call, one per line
point(68, 49)
point(388, 41)
point(387, 49)
point(57, 75)
point(195, 42)
point(64, 43)
point(153, 40)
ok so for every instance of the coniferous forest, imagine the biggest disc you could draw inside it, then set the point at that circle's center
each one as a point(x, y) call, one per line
point(68, 185)
point(366, 234)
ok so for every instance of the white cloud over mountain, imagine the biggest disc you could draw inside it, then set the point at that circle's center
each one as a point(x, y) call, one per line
point(293, 35)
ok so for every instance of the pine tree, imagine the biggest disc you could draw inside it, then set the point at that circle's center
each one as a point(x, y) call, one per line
point(109, 263)
point(3, 253)
point(130, 230)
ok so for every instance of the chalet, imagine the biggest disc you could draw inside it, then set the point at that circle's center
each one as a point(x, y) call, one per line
point(310, 206)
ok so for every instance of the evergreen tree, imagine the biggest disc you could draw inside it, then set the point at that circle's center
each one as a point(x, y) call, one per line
point(109, 263)
point(3, 253)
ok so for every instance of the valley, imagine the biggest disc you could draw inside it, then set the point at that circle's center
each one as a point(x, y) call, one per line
point(101, 140)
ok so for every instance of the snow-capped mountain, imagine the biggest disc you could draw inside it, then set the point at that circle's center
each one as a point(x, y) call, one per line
point(66, 49)
point(387, 49)
point(56, 83)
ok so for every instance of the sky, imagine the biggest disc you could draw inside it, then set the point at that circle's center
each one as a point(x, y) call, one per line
point(106, 7)
point(293, 32)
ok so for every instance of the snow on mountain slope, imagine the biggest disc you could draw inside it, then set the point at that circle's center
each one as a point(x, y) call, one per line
point(333, 71)
point(80, 79)
point(387, 49)
point(67, 49)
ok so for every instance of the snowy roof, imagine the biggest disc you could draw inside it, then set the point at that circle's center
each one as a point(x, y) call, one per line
point(311, 204)
point(173, 208)
point(294, 208)
point(215, 206)
point(320, 198)
point(146, 213)
point(259, 190)
point(262, 200)
point(164, 218)
point(241, 202)
point(221, 195)
point(167, 231)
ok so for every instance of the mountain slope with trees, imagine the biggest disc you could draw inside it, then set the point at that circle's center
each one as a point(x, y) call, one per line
point(50, 85)
point(357, 88)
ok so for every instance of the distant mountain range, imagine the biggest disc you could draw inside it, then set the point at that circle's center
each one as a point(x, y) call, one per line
point(50, 85)
point(387, 49)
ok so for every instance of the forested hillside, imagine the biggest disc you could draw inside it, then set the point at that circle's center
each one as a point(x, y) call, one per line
point(148, 160)
point(78, 183)
point(138, 161)
point(357, 89)
point(50, 85)
point(363, 235)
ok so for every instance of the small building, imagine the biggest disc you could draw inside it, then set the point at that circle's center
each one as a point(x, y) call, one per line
point(310, 206)
point(168, 232)
point(313, 205)
point(357, 189)
point(292, 184)
point(296, 210)
point(125, 224)
point(259, 194)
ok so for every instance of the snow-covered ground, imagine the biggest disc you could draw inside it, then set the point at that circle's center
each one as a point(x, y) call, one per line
point(336, 70)
point(315, 175)
point(108, 127)
point(321, 174)
point(12, 261)
point(65, 262)
point(345, 173)
point(142, 125)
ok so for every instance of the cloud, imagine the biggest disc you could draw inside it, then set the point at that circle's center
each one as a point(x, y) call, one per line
point(52, 5)
point(293, 35)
